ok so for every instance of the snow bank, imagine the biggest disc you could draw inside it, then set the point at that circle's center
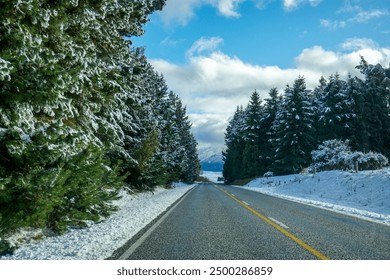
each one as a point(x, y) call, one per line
point(365, 194)
point(99, 241)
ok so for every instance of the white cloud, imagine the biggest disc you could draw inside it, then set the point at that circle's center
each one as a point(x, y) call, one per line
point(182, 11)
point(359, 16)
point(170, 42)
point(332, 24)
point(315, 3)
point(316, 60)
point(350, 7)
point(365, 16)
point(358, 44)
point(179, 11)
point(204, 44)
point(209, 129)
point(292, 4)
point(212, 85)
point(261, 4)
point(228, 7)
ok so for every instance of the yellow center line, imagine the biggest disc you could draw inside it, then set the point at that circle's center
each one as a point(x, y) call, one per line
point(279, 228)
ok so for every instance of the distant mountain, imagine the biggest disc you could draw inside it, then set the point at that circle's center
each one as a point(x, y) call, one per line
point(211, 159)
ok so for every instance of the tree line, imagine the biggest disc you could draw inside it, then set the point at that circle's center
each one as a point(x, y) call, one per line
point(83, 115)
point(279, 134)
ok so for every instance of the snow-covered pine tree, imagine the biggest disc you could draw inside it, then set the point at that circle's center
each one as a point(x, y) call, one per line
point(293, 130)
point(64, 69)
point(270, 109)
point(357, 131)
point(186, 153)
point(336, 110)
point(376, 112)
point(135, 121)
point(170, 150)
point(232, 155)
point(177, 153)
point(318, 97)
point(191, 163)
point(254, 137)
point(154, 95)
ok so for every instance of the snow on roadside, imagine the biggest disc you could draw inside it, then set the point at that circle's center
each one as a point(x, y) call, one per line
point(99, 241)
point(365, 194)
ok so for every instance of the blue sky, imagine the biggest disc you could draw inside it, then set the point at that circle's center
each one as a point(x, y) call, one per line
point(215, 53)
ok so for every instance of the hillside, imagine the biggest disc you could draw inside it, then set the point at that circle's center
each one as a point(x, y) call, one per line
point(211, 159)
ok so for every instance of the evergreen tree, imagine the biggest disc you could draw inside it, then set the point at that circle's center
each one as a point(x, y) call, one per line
point(271, 108)
point(356, 111)
point(293, 130)
point(68, 98)
point(187, 155)
point(232, 156)
point(358, 128)
point(376, 109)
point(318, 97)
point(336, 109)
point(177, 148)
point(252, 159)
point(192, 163)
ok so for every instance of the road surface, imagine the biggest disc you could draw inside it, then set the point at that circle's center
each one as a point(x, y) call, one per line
point(225, 222)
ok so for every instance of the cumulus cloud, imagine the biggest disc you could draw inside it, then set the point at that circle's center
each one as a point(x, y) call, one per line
point(209, 129)
point(213, 84)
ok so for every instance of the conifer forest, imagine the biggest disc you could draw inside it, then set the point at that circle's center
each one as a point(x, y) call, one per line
point(341, 124)
point(83, 115)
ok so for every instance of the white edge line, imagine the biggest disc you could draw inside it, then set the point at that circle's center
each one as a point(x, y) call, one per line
point(140, 240)
point(279, 223)
point(336, 208)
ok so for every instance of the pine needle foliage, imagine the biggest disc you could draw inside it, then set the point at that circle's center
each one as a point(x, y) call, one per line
point(82, 113)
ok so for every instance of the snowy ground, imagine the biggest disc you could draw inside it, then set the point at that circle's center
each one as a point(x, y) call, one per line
point(365, 194)
point(100, 240)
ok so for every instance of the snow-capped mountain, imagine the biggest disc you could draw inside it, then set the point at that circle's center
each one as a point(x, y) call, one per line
point(211, 158)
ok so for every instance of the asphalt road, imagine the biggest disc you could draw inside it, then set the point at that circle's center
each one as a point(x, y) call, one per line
point(224, 222)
